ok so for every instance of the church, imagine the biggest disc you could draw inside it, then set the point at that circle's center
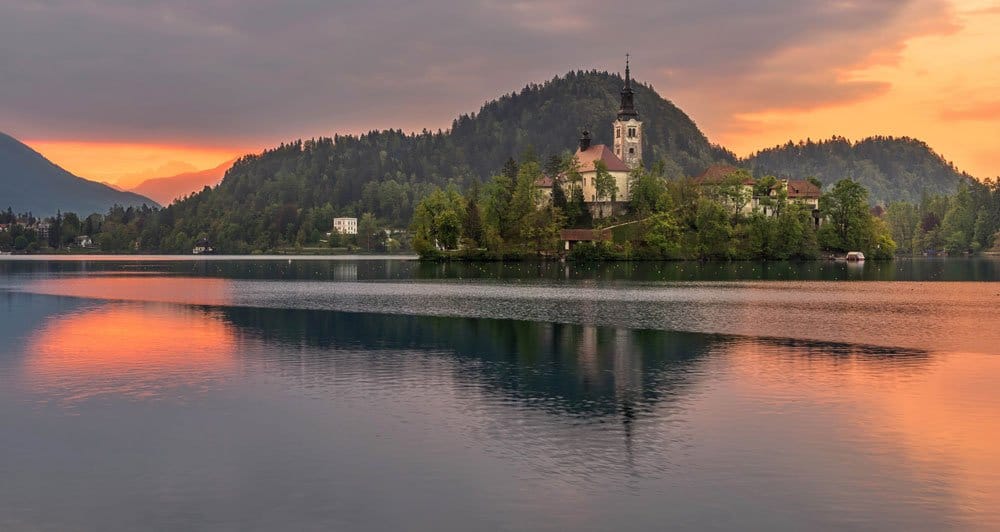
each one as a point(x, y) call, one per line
point(620, 160)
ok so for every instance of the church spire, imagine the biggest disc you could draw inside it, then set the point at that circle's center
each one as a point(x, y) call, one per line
point(628, 77)
point(628, 127)
point(627, 109)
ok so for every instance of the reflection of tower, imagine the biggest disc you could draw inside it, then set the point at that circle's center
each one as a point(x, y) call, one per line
point(587, 352)
point(628, 127)
point(627, 369)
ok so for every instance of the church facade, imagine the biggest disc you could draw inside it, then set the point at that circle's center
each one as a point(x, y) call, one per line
point(620, 159)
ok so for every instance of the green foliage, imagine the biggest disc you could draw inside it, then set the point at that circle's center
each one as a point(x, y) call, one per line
point(663, 234)
point(648, 192)
point(437, 223)
point(892, 169)
point(604, 183)
point(733, 192)
point(713, 231)
point(967, 221)
point(593, 252)
point(849, 222)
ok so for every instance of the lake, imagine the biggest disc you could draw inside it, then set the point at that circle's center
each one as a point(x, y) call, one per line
point(376, 393)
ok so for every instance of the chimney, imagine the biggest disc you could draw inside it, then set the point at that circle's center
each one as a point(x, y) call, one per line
point(585, 140)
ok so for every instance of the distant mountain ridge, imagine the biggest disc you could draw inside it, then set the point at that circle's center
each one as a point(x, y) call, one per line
point(891, 168)
point(167, 189)
point(31, 183)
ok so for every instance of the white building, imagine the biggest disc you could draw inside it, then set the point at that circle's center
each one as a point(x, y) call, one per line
point(345, 226)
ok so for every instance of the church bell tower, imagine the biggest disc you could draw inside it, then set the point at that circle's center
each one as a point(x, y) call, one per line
point(628, 127)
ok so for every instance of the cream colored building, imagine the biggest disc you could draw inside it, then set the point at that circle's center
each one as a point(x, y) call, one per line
point(620, 160)
point(588, 157)
point(345, 226)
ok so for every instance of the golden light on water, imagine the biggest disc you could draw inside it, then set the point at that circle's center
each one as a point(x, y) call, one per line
point(125, 350)
point(931, 416)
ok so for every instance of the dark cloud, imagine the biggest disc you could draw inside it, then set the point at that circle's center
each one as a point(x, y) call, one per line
point(252, 70)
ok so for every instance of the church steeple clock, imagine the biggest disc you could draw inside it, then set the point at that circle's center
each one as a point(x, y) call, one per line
point(628, 127)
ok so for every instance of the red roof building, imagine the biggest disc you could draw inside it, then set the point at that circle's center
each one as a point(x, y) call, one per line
point(801, 188)
point(600, 152)
point(717, 173)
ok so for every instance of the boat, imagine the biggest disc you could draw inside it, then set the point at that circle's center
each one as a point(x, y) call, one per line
point(855, 256)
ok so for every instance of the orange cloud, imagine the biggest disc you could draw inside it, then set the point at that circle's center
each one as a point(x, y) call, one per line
point(937, 90)
point(984, 111)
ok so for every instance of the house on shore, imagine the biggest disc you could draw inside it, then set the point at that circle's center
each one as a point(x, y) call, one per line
point(345, 226)
point(571, 237)
point(750, 196)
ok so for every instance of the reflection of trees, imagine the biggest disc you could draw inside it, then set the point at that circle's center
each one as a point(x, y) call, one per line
point(955, 269)
point(577, 370)
point(834, 350)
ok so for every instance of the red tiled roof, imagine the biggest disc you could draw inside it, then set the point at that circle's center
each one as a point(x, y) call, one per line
point(717, 173)
point(800, 188)
point(544, 182)
point(585, 235)
point(600, 152)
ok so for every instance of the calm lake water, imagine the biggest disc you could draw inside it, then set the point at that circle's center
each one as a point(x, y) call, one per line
point(383, 394)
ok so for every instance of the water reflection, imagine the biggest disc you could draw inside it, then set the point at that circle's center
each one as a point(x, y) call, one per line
point(576, 370)
point(935, 316)
point(142, 352)
point(313, 268)
point(133, 287)
point(302, 418)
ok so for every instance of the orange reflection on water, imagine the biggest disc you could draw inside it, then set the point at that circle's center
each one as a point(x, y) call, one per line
point(932, 415)
point(131, 350)
point(188, 290)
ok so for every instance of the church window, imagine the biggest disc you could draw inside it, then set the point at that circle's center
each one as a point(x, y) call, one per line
point(631, 132)
point(618, 132)
point(631, 151)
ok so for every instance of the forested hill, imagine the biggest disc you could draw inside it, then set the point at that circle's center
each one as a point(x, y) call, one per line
point(385, 172)
point(549, 117)
point(891, 168)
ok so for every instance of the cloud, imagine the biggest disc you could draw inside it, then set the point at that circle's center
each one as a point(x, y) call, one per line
point(250, 70)
point(984, 112)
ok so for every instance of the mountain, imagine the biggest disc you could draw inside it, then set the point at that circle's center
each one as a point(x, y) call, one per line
point(269, 198)
point(893, 169)
point(549, 118)
point(167, 189)
point(31, 183)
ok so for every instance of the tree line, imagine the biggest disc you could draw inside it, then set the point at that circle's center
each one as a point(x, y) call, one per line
point(964, 222)
point(891, 168)
point(665, 218)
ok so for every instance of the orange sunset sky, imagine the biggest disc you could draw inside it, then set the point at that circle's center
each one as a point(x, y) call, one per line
point(132, 93)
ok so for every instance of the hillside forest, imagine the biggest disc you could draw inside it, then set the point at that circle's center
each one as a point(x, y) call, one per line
point(285, 198)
